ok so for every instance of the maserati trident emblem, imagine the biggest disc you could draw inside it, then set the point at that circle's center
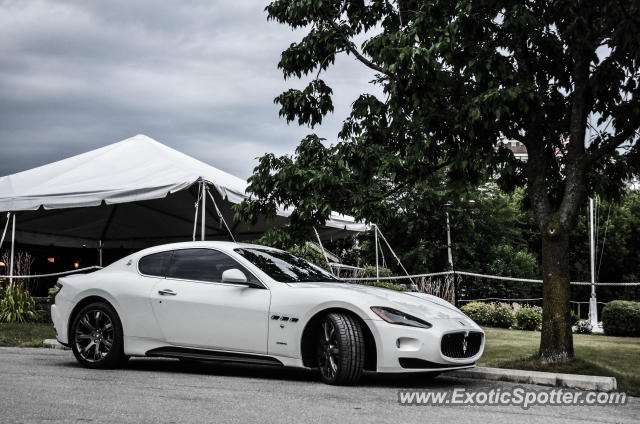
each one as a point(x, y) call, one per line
point(464, 342)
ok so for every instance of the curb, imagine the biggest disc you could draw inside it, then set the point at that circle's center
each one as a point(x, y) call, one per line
point(573, 381)
point(53, 344)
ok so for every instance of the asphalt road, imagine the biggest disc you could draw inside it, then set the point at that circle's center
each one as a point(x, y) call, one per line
point(42, 385)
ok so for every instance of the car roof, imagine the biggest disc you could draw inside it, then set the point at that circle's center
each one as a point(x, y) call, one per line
point(226, 245)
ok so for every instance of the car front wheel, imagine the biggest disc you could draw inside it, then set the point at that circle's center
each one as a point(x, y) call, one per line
point(340, 349)
point(96, 337)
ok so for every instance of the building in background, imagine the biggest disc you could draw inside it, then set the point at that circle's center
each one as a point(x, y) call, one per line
point(519, 150)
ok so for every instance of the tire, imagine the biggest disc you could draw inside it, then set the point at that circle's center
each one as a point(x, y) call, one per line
point(96, 337)
point(340, 349)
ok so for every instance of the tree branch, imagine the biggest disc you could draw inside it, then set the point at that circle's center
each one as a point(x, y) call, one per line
point(606, 148)
point(575, 184)
point(407, 182)
point(352, 48)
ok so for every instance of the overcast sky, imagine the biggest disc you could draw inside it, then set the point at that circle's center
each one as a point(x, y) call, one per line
point(199, 76)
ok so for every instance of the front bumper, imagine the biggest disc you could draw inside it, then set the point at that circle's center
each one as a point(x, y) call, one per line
point(408, 349)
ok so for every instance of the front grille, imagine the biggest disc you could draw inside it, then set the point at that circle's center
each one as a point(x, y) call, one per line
point(461, 345)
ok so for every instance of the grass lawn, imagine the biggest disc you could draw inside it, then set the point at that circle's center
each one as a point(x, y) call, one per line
point(595, 355)
point(25, 335)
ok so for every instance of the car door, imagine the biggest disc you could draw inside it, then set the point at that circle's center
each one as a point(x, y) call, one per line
point(133, 295)
point(195, 308)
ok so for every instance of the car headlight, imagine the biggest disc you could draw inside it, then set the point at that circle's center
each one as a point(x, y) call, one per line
point(394, 316)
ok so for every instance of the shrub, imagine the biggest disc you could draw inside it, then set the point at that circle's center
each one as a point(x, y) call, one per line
point(310, 254)
point(621, 318)
point(583, 326)
point(43, 309)
point(370, 272)
point(574, 318)
point(480, 312)
point(17, 305)
point(529, 319)
point(502, 316)
point(384, 285)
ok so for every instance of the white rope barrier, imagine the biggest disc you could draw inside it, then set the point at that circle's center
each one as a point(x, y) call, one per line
point(55, 274)
point(496, 277)
point(401, 277)
point(491, 277)
point(343, 266)
point(575, 301)
point(499, 299)
point(586, 283)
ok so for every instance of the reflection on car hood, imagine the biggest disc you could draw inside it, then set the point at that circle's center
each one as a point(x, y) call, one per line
point(419, 304)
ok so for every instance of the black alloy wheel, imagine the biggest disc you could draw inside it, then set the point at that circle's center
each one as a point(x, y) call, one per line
point(96, 336)
point(340, 349)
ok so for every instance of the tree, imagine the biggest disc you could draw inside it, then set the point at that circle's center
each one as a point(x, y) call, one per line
point(457, 76)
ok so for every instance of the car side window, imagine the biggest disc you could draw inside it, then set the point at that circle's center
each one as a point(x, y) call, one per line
point(203, 265)
point(154, 265)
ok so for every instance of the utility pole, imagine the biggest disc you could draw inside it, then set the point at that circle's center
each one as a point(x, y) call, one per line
point(593, 304)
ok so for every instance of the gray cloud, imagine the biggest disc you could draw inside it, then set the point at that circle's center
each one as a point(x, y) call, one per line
point(199, 76)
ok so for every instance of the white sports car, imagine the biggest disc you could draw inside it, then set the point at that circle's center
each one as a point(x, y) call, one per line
point(246, 303)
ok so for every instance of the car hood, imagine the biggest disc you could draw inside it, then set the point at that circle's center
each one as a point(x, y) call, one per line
point(419, 304)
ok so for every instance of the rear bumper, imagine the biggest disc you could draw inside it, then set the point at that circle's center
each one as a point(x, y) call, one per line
point(60, 325)
point(408, 349)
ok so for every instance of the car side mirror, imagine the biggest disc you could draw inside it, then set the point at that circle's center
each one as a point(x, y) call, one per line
point(234, 276)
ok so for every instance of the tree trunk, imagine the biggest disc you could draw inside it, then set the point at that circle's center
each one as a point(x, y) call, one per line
point(556, 343)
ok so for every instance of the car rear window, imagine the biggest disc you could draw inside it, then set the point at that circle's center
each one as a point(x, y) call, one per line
point(155, 265)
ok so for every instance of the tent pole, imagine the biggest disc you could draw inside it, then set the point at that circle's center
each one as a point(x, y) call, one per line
point(326, 258)
point(395, 256)
point(375, 228)
point(204, 208)
point(220, 217)
point(4, 232)
point(13, 242)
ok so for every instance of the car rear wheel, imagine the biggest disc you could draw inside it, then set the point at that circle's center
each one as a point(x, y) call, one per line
point(96, 337)
point(340, 349)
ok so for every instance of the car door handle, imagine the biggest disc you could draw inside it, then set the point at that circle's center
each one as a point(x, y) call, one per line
point(167, 292)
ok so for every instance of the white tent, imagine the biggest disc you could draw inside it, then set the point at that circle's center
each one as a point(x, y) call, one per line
point(134, 193)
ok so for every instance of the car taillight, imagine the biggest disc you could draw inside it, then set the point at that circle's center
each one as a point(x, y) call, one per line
point(57, 288)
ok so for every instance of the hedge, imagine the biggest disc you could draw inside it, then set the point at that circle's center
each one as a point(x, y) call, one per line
point(621, 318)
point(529, 319)
point(503, 316)
point(480, 312)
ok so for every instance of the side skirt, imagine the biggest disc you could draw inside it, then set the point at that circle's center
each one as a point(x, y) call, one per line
point(212, 355)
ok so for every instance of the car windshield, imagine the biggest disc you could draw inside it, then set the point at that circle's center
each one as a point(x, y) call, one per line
point(285, 267)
